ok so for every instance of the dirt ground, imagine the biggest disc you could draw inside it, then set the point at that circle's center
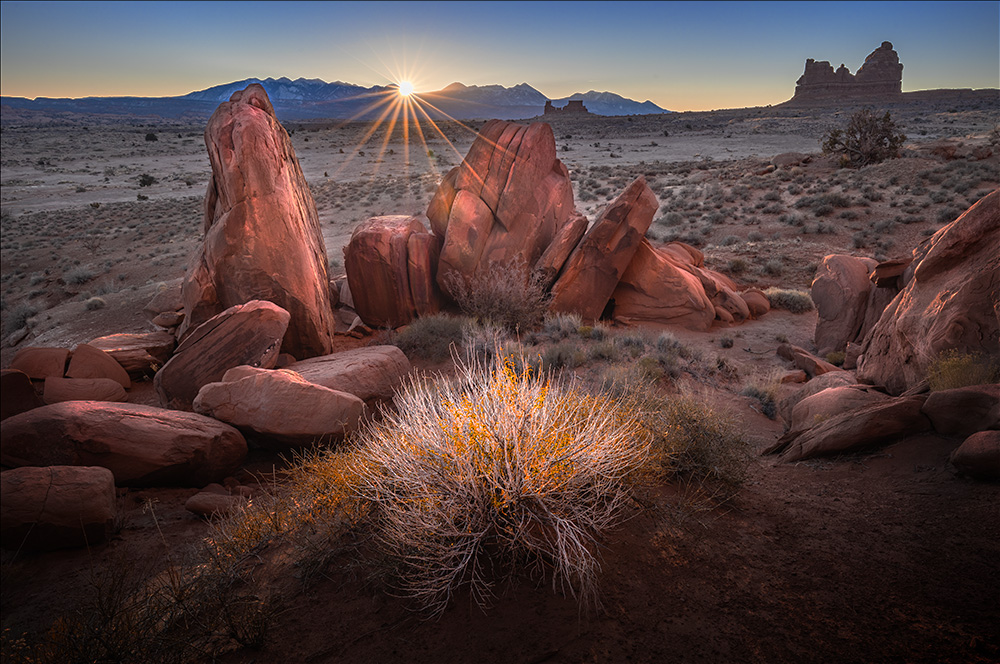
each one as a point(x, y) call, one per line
point(884, 557)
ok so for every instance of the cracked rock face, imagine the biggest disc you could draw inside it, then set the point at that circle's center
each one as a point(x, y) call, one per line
point(262, 234)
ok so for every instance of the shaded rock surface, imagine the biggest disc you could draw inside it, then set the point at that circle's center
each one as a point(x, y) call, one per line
point(964, 410)
point(40, 362)
point(281, 404)
point(139, 354)
point(140, 445)
point(248, 334)
point(372, 373)
point(949, 303)
point(92, 362)
point(840, 292)
point(56, 507)
point(17, 394)
point(979, 456)
point(262, 234)
point(57, 390)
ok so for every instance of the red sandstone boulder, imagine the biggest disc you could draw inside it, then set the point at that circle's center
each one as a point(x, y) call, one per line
point(373, 373)
point(391, 263)
point(168, 299)
point(56, 507)
point(554, 257)
point(840, 291)
point(280, 404)
point(508, 200)
point(805, 360)
point(58, 390)
point(90, 362)
point(979, 456)
point(964, 410)
point(813, 386)
point(248, 333)
point(17, 394)
point(39, 363)
point(757, 303)
point(592, 272)
point(140, 445)
point(654, 288)
point(139, 354)
point(950, 302)
point(870, 426)
point(831, 402)
point(262, 234)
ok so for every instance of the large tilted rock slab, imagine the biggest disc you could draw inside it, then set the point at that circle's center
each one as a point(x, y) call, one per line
point(248, 333)
point(814, 386)
point(391, 263)
point(949, 303)
point(503, 205)
point(871, 426)
point(262, 234)
point(840, 291)
point(56, 507)
point(140, 445)
point(92, 362)
point(654, 288)
point(373, 373)
point(979, 456)
point(139, 354)
point(832, 402)
point(595, 267)
point(280, 404)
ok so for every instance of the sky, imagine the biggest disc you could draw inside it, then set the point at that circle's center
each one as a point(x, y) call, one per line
point(680, 55)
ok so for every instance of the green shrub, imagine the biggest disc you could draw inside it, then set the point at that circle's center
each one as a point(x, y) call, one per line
point(953, 368)
point(836, 357)
point(796, 301)
point(431, 337)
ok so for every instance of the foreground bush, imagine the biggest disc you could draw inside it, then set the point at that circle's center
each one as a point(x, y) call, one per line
point(497, 466)
point(796, 301)
point(868, 139)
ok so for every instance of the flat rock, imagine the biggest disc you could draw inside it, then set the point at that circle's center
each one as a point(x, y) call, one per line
point(813, 386)
point(372, 373)
point(140, 445)
point(58, 390)
point(979, 456)
point(139, 354)
point(210, 503)
point(248, 334)
point(39, 362)
point(56, 507)
point(91, 362)
point(281, 404)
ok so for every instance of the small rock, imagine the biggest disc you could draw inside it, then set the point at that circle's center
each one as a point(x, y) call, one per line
point(979, 456)
point(210, 503)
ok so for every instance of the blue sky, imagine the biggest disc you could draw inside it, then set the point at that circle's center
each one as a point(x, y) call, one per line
point(680, 55)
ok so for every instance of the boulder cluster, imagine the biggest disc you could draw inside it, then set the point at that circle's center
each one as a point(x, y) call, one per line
point(893, 320)
point(510, 203)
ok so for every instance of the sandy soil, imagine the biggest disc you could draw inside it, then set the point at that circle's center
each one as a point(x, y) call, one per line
point(888, 557)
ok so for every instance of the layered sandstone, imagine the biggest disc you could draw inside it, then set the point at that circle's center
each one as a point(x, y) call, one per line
point(879, 78)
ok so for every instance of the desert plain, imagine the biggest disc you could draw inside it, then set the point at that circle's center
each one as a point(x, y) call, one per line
point(884, 556)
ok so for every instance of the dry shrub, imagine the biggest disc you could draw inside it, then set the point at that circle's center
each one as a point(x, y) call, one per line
point(506, 294)
point(953, 368)
point(431, 337)
point(868, 139)
point(470, 476)
point(796, 301)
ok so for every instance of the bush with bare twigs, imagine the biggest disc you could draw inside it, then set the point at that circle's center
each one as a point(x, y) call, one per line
point(506, 294)
point(868, 139)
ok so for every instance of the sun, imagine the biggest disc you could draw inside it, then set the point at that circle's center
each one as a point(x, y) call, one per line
point(405, 88)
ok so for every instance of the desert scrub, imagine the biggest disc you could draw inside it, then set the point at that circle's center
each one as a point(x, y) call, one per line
point(17, 317)
point(79, 275)
point(953, 368)
point(470, 475)
point(94, 303)
point(431, 337)
point(796, 301)
point(506, 294)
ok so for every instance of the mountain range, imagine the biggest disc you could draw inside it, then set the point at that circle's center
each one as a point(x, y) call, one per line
point(304, 99)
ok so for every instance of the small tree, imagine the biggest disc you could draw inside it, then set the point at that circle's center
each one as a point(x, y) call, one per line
point(868, 139)
point(151, 137)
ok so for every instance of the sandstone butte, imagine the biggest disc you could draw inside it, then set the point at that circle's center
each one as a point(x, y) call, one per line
point(262, 234)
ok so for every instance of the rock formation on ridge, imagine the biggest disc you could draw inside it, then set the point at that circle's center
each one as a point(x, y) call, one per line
point(879, 78)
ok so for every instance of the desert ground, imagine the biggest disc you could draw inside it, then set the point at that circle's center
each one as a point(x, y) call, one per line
point(881, 557)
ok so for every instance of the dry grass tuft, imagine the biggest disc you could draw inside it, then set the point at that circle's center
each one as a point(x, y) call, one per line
point(954, 369)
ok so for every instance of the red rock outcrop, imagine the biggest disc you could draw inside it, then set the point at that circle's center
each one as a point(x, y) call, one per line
point(248, 334)
point(840, 291)
point(140, 445)
point(503, 205)
point(592, 272)
point(280, 404)
point(391, 263)
point(56, 507)
point(950, 302)
point(262, 235)
point(880, 78)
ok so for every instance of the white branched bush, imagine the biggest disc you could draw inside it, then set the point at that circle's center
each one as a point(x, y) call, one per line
point(469, 478)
